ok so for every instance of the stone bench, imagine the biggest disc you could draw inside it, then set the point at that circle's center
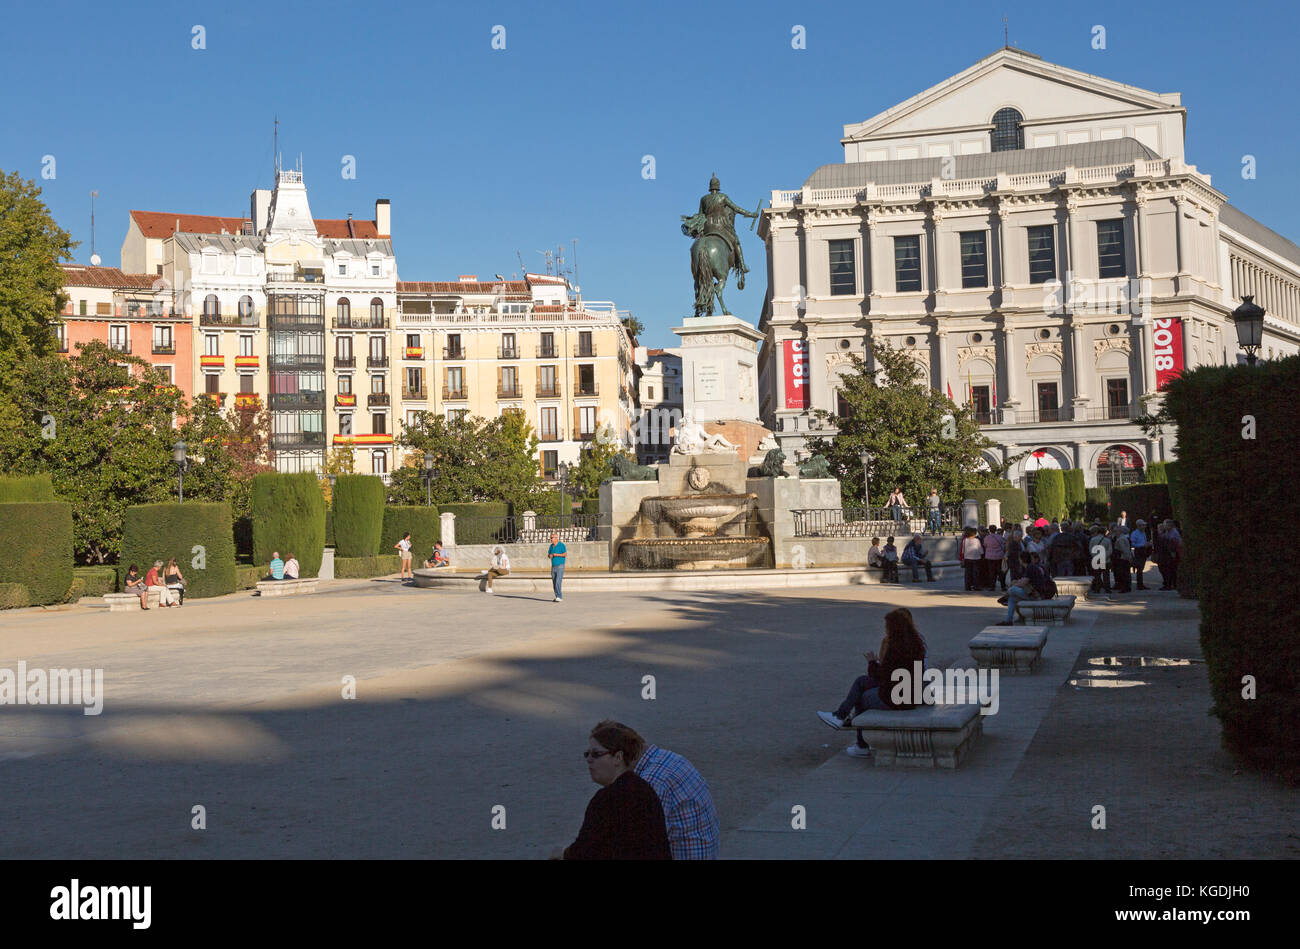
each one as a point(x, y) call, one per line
point(1072, 586)
point(287, 587)
point(1045, 612)
point(933, 736)
point(119, 602)
point(1015, 648)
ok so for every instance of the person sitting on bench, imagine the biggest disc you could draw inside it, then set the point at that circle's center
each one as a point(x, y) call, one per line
point(914, 557)
point(439, 557)
point(876, 559)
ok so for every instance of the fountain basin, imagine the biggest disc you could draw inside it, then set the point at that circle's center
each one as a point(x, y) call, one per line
point(695, 553)
point(698, 515)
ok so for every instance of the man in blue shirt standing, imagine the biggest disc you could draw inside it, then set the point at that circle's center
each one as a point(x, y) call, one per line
point(556, 552)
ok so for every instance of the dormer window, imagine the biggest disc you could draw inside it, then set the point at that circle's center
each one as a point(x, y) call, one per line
point(374, 268)
point(1008, 133)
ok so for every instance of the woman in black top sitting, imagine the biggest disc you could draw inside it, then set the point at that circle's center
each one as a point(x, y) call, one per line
point(173, 580)
point(625, 820)
point(902, 647)
point(134, 584)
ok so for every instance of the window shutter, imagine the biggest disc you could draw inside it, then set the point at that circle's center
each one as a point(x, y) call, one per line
point(576, 422)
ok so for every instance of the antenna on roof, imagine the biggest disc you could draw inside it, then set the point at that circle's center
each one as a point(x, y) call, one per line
point(522, 268)
point(275, 149)
point(1006, 41)
point(576, 287)
point(94, 258)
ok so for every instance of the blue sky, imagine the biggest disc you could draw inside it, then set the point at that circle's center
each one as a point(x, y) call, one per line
point(484, 152)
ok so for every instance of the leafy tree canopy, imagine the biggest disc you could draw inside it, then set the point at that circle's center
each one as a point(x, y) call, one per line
point(595, 464)
point(475, 459)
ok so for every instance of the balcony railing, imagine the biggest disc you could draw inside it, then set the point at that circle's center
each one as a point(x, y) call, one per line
point(586, 436)
point(590, 388)
point(120, 345)
point(296, 361)
point(456, 394)
point(548, 392)
point(345, 362)
point(377, 398)
point(252, 400)
point(453, 352)
point(298, 440)
point(420, 394)
point(509, 392)
point(60, 345)
point(164, 349)
point(510, 352)
point(279, 275)
point(361, 322)
point(584, 352)
point(218, 397)
point(546, 436)
point(376, 362)
point(298, 400)
point(1107, 412)
point(230, 319)
point(546, 352)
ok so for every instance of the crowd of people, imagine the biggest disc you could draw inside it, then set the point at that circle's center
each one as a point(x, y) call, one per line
point(168, 581)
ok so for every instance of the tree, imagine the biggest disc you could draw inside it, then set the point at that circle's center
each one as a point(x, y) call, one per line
point(339, 460)
point(475, 459)
point(917, 437)
point(226, 451)
point(633, 326)
point(31, 280)
point(595, 464)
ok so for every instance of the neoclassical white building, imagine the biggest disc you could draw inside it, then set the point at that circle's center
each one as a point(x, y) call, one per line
point(1034, 238)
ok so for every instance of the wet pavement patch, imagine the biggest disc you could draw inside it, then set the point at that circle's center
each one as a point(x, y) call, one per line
point(1112, 672)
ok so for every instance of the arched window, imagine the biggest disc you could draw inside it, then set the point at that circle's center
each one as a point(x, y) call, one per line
point(1007, 133)
point(344, 312)
point(211, 305)
point(376, 312)
point(245, 306)
point(1119, 464)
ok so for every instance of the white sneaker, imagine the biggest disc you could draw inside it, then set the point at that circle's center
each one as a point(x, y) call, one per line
point(857, 751)
point(559, 599)
point(830, 720)
point(490, 590)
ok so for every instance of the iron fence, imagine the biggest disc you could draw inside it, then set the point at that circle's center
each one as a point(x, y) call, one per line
point(875, 521)
point(518, 529)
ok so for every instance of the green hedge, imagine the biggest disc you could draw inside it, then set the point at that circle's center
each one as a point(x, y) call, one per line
point(1245, 579)
point(161, 531)
point(421, 521)
point(14, 596)
point(1096, 507)
point(358, 515)
point(1157, 473)
point(363, 568)
point(92, 581)
point(1076, 493)
point(1140, 500)
point(1049, 493)
point(592, 505)
point(246, 576)
point(480, 522)
point(18, 489)
point(1175, 488)
point(329, 527)
point(289, 516)
point(36, 549)
point(1014, 503)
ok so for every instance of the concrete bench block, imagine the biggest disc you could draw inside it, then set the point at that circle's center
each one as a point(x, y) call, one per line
point(934, 736)
point(1046, 612)
point(120, 602)
point(1072, 586)
point(1014, 648)
point(287, 587)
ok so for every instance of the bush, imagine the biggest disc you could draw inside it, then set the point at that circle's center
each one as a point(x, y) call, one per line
point(1175, 489)
point(289, 516)
point(592, 505)
point(480, 522)
point(246, 576)
point(161, 531)
point(92, 581)
point(358, 508)
point(1140, 500)
point(1014, 503)
point(13, 596)
point(363, 568)
point(36, 549)
point(1096, 506)
point(1156, 473)
point(17, 489)
point(1076, 493)
point(422, 522)
point(1249, 610)
point(329, 527)
point(1049, 493)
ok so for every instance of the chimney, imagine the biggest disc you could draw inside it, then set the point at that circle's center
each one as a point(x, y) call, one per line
point(259, 209)
point(383, 217)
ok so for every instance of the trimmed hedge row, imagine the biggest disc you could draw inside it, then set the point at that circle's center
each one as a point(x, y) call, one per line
point(1096, 506)
point(246, 576)
point(363, 568)
point(358, 508)
point(329, 527)
point(423, 523)
point(161, 531)
point(92, 581)
point(1076, 493)
point(13, 596)
point(17, 489)
point(36, 549)
point(1049, 493)
point(1157, 473)
point(1141, 500)
point(592, 505)
point(289, 516)
point(479, 522)
point(1014, 503)
point(1249, 610)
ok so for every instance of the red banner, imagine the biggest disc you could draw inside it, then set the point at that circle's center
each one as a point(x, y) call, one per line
point(1167, 348)
point(795, 357)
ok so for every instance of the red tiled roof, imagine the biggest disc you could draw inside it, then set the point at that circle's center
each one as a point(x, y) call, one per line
point(338, 230)
point(458, 286)
point(76, 275)
point(543, 278)
point(163, 223)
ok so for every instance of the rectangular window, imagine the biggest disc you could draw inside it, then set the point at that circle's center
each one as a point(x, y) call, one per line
point(343, 270)
point(162, 338)
point(343, 347)
point(412, 340)
point(843, 276)
point(1110, 249)
point(907, 264)
point(376, 347)
point(586, 380)
point(246, 382)
point(345, 385)
point(166, 371)
point(585, 347)
point(1117, 398)
point(1042, 253)
point(374, 269)
point(550, 461)
point(415, 379)
point(546, 382)
point(509, 381)
point(378, 423)
point(377, 384)
point(103, 309)
point(974, 259)
point(119, 339)
point(550, 423)
point(245, 344)
point(455, 415)
point(508, 345)
point(211, 382)
point(979, 403)
point(453, 346)
point(546, 350)
point(212, 344)
point(455, 383)
point(1048, 404)
point(650, 393)
point(587, 420)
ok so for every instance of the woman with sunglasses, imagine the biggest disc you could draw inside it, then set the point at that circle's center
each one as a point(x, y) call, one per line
point(624, 820)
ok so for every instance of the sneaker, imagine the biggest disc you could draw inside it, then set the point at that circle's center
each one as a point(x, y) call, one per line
point(857, 751)
point(1005, 622)
point(490, 590)
point(558, 600)
point(1003, 599)
point(830, 720)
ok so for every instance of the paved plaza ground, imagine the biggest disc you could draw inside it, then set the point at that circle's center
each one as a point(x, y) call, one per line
point(466, 701)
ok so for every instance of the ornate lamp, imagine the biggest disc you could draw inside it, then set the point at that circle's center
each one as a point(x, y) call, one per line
point(182, 465)
point(428, 480)
point(865, 458)
point(1249, 318)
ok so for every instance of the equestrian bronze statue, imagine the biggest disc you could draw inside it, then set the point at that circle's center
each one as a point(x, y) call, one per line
point(716, 249)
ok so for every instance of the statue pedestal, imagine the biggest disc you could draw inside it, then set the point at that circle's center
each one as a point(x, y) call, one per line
point(719, 369)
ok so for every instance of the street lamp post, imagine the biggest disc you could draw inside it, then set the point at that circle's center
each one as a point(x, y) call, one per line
point(428, 480)
point(865, 458)
point(182, 464)
point(562, 471)
point(1249, 318)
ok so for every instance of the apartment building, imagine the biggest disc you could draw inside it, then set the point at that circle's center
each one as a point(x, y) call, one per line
point(660, 403)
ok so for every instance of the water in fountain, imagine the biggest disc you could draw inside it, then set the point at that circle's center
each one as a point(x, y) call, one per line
point(697, 532)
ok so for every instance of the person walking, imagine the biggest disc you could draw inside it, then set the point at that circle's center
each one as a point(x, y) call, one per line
point(1141, 547)
point(897, 503)
point(500, 566)
point(1015, 546)
point(934, 503)
point(1122, 559)
point(556, 554)
point(914, 557)
point(403, 548)
point(972, 555)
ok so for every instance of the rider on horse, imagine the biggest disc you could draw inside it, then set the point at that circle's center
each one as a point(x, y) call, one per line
point(717, 216)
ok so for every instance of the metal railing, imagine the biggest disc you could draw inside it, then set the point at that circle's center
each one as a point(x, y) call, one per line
point(455, 394)
point(586, 436)
point(548, 392)
point(546, 352)
point(874, 521)
point(297, 440)
point(377, 398)
point(164, 349)
point(362, 322)
point(296, 361)
point(504, 352)
point(345, 362)
point(510, 392)
point(297, 400)
point(120, 346)
point(376, 362)
point(584, 352)
point(453, 352)
point(517, 529)
point(420, 394)
point(1106, 412)
point(592, 389)
point(230, 319)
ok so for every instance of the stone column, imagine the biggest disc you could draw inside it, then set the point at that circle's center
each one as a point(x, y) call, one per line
point(877, 265)
point(448, 525)
point(941, 342)
point(1071, 268)
point(1012, 363)
point(970, 513)
point(1140, 232)
point(936, 218)
point(1138, 337)
point(1080, 398)
point(1180, 235)
point(993, 510)
point(530, 520)
point(1002, 242)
